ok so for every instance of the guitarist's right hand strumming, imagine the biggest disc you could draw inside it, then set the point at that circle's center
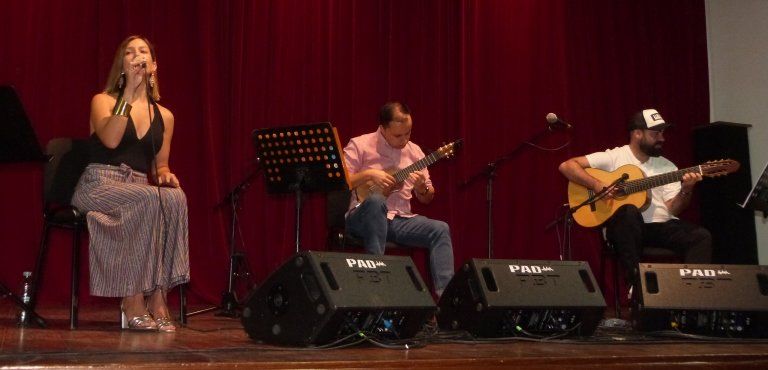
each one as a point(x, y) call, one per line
point(609, 193)
point(380, 181)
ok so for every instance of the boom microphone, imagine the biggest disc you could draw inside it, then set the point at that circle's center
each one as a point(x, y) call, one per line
point(554, 121)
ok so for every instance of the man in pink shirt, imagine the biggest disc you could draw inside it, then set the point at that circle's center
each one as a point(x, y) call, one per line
point(385, 215)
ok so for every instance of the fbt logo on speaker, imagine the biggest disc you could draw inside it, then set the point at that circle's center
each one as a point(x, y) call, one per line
point(366, 264)
point(703, 272)
point(530, 269)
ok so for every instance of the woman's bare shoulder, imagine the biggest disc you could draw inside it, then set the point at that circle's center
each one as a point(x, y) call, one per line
point(166, 113)
point(103, 98)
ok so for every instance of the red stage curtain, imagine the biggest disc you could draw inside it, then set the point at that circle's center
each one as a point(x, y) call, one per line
point(488, 71)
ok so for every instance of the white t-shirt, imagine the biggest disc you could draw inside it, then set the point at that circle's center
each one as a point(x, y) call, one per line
point(612, 159)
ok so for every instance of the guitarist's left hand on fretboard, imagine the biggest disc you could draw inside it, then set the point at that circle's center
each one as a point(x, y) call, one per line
point(689, 180)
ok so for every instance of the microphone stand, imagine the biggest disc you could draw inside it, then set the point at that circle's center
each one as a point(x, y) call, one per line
point(567, 217)
point(229, 306)
point(489, 173)
point(31, 314)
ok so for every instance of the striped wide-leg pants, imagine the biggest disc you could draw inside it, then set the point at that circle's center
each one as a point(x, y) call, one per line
point(138, 232)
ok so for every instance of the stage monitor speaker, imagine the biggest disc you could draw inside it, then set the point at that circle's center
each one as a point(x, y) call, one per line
point(716, 300)
point(316, 298)
point(505, 298)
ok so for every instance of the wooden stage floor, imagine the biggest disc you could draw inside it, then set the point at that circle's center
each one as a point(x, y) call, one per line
point(214, 342)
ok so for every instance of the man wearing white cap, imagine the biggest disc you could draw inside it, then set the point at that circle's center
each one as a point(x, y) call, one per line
point(629, 229)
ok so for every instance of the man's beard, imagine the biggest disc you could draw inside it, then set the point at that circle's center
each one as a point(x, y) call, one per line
point(652, 150)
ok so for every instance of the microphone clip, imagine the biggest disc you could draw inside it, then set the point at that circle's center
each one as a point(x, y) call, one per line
point(601, 194)
point(622, 179)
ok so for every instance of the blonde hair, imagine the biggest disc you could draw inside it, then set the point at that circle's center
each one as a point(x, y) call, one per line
point(113, 79)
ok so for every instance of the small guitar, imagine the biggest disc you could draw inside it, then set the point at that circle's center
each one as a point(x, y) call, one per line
point(634, 190)
point(363, 191)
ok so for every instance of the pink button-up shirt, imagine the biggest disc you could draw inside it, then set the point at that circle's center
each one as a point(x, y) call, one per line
point(373, 151)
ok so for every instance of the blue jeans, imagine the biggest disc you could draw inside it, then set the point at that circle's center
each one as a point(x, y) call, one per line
point(369, 222)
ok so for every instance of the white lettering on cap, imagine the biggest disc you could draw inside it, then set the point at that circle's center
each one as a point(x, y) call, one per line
point(652, 118)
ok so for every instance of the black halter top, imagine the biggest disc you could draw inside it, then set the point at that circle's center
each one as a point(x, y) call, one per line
point(133, 151)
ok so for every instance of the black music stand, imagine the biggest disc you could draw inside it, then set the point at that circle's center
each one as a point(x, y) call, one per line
point(758, 196)
point(299, 159)
point(18, 143)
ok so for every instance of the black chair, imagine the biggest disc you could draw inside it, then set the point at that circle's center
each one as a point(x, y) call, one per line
point(67, 158)
point(650, 253)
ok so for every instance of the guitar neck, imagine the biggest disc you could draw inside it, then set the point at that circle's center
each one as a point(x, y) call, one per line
point(646, 183)
point(425, 162)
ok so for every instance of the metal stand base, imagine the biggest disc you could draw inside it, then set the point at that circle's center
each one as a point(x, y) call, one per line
point(229, 306)
point(32, 316)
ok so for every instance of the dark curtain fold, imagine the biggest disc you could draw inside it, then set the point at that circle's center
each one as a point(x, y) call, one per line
point(487, 71)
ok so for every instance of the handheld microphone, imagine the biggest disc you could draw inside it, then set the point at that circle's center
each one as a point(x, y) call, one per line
point(553, 121)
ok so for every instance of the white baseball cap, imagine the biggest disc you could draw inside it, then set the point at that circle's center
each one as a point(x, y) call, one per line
point(648, 119)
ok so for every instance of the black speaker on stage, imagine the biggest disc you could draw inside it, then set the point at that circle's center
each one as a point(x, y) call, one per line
point(504, 298)
point(717, 300)
point(318, 297)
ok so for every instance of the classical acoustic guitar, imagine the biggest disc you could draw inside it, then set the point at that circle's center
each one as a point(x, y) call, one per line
point(635, 188)
point(364, 190)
